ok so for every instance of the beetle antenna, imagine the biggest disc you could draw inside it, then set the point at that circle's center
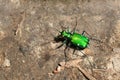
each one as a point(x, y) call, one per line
point(88, 60)
point(68, 29)
point(75, 25)
point(62, 27)
point(57, 30)
point(90, 37)
point(96, 40)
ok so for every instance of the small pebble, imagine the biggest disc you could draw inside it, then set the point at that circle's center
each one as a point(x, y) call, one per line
point(116, 50)
point(2, 35)
point(6, 63)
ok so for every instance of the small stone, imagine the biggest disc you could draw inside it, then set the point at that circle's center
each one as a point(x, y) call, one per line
point(23, 61)
point(2, 35)
point(116, 50)
point(53, 45)
point(62, 63)
point(6, 63)
point(51, 24)
point(16, 2)
point(88, 51)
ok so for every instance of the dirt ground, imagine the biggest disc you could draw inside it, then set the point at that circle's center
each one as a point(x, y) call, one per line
point(27, 28)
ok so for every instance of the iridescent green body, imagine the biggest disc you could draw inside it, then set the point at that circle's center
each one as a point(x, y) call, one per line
point(76, 39)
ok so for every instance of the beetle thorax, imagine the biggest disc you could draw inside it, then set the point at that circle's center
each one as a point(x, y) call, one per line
point(66, 34)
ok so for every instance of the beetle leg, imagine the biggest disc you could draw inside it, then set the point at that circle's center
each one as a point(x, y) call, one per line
point(88, 60)
point(61, 44)
point(86, 33)
point(74, 51)
point(90, 37)
point(65, 53)
point(83, 32)
point(67, 48)
point(74, 27)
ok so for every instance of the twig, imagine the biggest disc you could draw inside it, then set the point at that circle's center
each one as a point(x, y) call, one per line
point(73, 63)
point(86, 74)
point(19, 31)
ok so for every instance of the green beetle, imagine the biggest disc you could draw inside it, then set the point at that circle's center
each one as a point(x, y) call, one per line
point(73, 39)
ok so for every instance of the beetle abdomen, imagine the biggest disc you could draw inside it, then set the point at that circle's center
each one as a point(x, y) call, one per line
point(79, 40)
